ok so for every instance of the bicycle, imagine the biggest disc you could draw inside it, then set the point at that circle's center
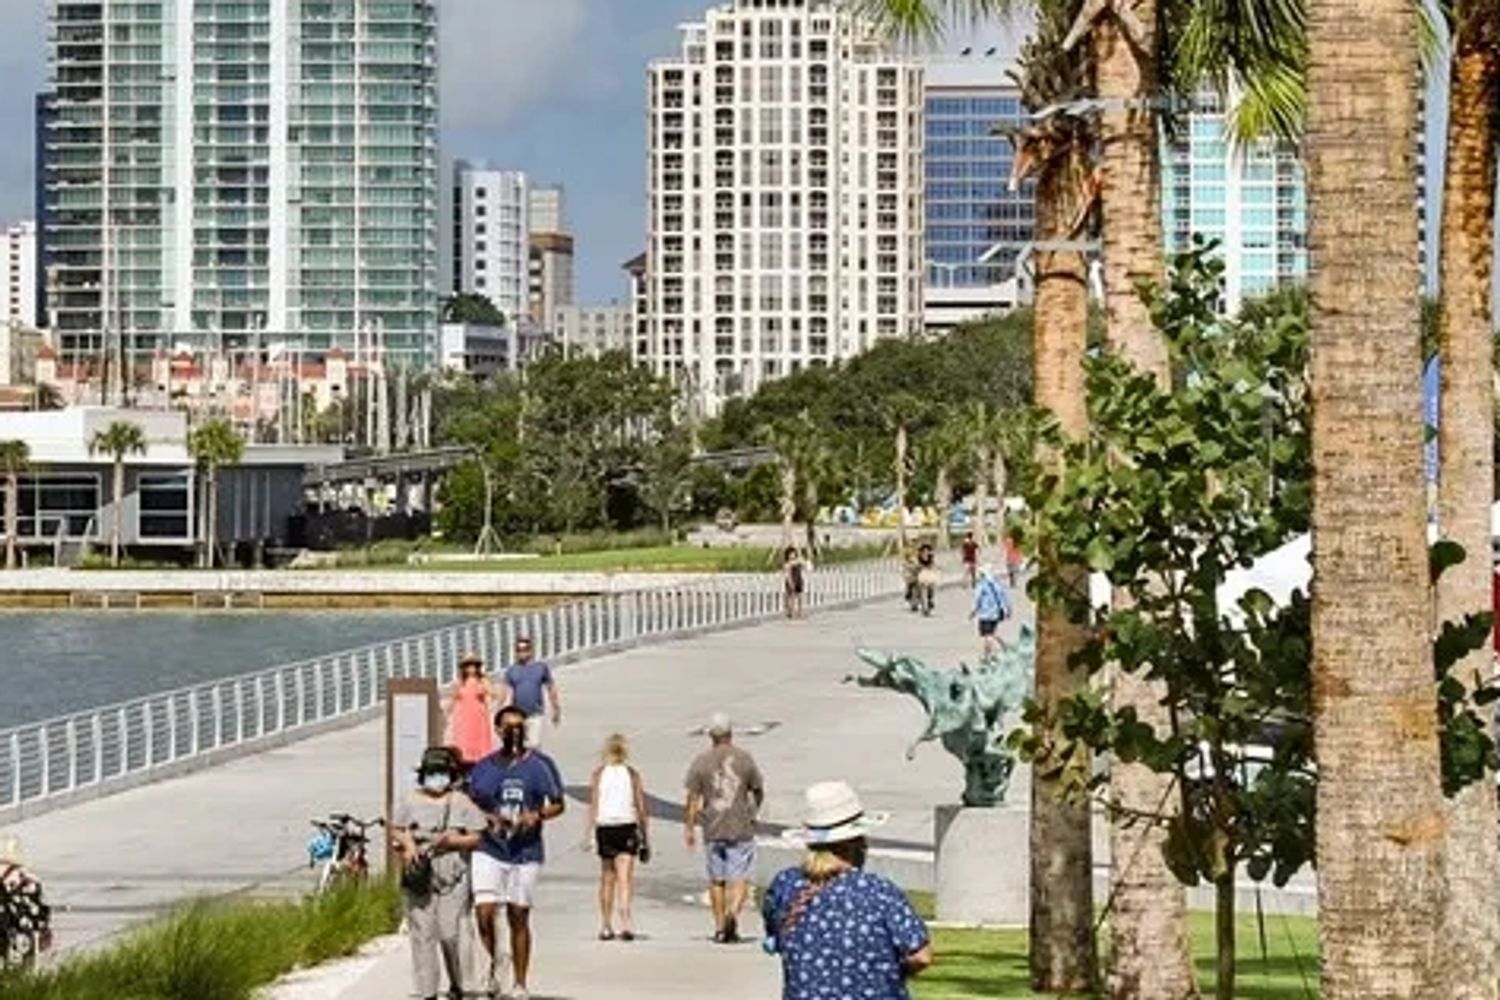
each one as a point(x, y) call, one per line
point(25, 918)
point(341, 846)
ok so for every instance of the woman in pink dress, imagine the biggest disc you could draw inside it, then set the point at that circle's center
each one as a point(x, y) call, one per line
point(469, 709)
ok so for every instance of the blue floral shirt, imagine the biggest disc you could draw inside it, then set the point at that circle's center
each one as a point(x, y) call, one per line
point(851, 941)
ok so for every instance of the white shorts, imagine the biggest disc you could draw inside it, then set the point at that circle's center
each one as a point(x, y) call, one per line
point(534, 731)
point(498, 882)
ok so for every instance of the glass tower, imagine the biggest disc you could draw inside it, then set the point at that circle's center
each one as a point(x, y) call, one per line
point(1251, 199)
point(226, 172)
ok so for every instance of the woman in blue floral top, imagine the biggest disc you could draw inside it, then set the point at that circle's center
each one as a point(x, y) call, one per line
point(842, 933)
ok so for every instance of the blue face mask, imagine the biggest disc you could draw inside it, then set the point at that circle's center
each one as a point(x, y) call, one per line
point(437, 782)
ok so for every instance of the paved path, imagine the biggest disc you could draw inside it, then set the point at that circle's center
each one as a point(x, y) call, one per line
point(243, 825)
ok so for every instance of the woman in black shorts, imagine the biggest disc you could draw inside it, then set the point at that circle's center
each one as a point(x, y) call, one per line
point(617, 819)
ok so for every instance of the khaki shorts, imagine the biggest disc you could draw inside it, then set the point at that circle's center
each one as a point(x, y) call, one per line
point(534, 725)
point(496, 882)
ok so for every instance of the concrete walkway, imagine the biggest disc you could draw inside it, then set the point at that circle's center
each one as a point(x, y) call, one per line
point(243, 826)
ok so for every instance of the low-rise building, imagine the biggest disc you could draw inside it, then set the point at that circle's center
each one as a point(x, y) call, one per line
point(66, 499)
point(480, 350)
point(590, 331)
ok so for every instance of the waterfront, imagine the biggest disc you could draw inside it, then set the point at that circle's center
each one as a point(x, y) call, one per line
point(52, 663)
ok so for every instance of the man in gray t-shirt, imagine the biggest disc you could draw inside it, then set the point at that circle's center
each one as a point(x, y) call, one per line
point(725, 791)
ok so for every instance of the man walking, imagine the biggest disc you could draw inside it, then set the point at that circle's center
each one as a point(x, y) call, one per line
point(725, 791)
point(529, 685)
point(520, 789)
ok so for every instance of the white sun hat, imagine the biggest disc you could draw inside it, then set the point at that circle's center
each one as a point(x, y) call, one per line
point(832, 814)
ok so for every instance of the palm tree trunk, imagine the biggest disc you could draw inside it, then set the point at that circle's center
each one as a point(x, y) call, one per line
point(213, 516)
point(1471, 924)
point(1149, 958)
point(900, 472)
point(1062, 858)
point(12, 515)
point(1380, 817)
point(982, 499)
point(943, 492)
point(788, 503)
point(119, 511)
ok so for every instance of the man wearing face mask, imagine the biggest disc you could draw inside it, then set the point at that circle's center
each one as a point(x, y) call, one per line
point(520, 789)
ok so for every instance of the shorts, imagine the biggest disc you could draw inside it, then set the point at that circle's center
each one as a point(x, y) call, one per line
point(501, 882)
point(730, 860)
point(987, 627)
point(534, 731)
point(613, 841)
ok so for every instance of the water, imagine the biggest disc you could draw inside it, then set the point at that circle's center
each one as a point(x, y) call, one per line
point(54, 663)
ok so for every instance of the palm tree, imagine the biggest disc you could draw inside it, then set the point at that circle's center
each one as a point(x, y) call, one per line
point(213, 445)
point(119, 439)
point(901, 413)
point(1466, 441)
point(1380, 821)
point(947, 453)
point(15, 458)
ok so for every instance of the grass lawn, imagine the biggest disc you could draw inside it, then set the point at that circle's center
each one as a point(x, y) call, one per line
point(661, 559)
point(973, 964)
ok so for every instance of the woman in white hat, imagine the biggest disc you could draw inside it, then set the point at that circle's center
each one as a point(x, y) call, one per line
point(841, 931)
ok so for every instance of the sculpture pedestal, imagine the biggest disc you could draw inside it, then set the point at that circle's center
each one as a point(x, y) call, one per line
point(983, 870)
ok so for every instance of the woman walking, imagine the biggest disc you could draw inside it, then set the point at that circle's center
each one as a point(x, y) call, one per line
point(617, 819)
point(840, 931)
point(470, 707)
point(794, 580)
point(434, 830)
point(991, 607)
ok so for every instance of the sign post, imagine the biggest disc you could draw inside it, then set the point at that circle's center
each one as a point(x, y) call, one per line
point(413, 723)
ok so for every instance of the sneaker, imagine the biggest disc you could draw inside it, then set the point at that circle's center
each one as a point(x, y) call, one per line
point(720, 938)
point(520, 993)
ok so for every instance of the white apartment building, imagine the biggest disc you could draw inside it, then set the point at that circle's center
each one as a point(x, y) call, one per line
point(491, 235)
point(785, 195)
point(18, 275)
point(547, 208)
point(593, 330)
point(219, 173)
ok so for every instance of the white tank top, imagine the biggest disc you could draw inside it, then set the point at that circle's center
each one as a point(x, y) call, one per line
point(616, 796)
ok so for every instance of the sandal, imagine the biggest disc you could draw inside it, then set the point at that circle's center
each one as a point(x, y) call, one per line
point(606, 935)
point(627, 936)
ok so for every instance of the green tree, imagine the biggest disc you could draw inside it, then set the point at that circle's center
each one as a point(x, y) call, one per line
point(470, 307)
point(119, 439)
point(666, 477)
point(15, 458)
point(213, 445)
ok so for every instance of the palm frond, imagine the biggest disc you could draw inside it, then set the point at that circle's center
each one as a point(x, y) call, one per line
point(925, 20)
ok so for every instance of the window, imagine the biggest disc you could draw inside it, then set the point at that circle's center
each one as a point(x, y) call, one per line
point(479, 192)
point(164, 505)
point(480, 211)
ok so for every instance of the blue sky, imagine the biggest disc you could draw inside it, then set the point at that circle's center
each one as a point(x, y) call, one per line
point(554, 87)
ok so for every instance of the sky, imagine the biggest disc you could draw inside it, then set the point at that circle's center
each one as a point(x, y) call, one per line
point(552, 87)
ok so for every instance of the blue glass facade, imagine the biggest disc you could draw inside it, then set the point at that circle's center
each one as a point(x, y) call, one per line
point(970, 208)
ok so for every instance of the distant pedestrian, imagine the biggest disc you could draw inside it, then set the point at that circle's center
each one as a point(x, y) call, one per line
point(617, 825)
point(433, 830)
point(927, 579)
point(794, 580)
point(991, 607)
point(840, 931)
point(970, 551)
point(471, 704)
point(1013, 561)
point(520, 789)
point(530, 686)
point(725, 791)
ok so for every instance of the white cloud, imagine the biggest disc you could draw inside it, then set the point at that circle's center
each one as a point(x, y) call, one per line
point(499, 57)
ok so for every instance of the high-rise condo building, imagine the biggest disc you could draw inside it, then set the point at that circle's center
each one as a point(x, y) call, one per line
point(976, 225)
point(551, 256)
point(18, 256)
point(228, 172)
point(1251, 198)
point(491, 235)
point(785, 195)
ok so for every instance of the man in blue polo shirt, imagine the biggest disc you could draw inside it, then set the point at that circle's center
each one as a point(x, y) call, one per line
point(528, 684)
point(520, 789)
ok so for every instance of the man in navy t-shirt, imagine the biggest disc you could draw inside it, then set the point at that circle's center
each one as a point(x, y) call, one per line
point(529, 686)
point(520, 789)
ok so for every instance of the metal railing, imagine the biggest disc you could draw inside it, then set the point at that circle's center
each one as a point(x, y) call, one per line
point(94, 752)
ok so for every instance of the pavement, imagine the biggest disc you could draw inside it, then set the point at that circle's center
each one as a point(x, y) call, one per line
point(242, 826)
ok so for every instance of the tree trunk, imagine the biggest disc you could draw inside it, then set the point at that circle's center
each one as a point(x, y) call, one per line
point(998, 477)
point(900, 471)
point(1380, 818)
point(1471, 919)
point(1224, 952)
point(788, 503)
point(119, 511)
point(1149, 959)
point(943, 492)
point(12, 516)
point(213, 516)
point(982, 499)
point(1062, 857)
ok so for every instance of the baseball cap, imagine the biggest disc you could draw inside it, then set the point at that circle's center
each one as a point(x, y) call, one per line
point(719, 725)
